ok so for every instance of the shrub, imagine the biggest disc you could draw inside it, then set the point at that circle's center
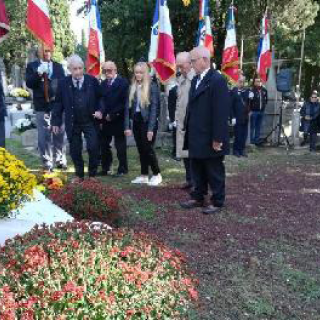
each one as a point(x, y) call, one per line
point(16, 183)
point(89, 201)
point(79, 270)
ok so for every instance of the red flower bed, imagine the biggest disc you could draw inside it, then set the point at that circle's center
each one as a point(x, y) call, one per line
point(84, 271)
point(89, 201)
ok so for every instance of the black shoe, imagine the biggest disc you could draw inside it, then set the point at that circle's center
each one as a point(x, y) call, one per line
point(244, 154)
point(190, 204)
point(119, 174)
point(61, 166)
point(236, 154)
point(104, 173)
point(211, 210)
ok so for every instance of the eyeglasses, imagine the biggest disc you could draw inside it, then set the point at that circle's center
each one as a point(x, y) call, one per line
point(107, 70)
point(195, 60)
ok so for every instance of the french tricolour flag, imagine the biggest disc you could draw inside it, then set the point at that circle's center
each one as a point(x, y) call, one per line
point(165, 62)
point(230, 58)
point(205, 37)
point(154, 35)
point(264, 50)
point(95, 47)
point(38, 22)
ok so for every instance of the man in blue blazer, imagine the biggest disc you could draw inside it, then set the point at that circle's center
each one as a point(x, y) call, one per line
point(115, 90)
point(207, 136)
point(78, 98)
point(51, 147)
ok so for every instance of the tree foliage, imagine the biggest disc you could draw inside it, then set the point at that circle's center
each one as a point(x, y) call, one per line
point(15, 48)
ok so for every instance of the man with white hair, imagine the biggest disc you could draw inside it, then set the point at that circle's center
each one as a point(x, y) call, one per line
point(183, 61)
point(78, 97)
point(51, 147)
point(207, 138)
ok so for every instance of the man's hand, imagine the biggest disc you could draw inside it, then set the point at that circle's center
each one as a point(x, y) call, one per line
point(127, 133)
point(55, 129)
point(217, 146)
point(108, 118)
point(97, 115)
point(150, 135)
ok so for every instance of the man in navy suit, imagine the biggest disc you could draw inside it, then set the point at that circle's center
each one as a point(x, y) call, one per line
point(78, 97)
point(206, 126)
point(115, 90)
point(51, 147)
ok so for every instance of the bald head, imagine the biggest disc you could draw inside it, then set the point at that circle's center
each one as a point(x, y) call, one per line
point(183, 61)
point(200, 59)
point(109, 68)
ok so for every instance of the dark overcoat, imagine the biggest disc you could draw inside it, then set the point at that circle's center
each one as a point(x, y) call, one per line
point(114, 100)
point(64, 102)
point(36, 83)
point(207, 116)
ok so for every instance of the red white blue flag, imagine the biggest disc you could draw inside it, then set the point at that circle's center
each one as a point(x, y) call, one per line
point(154, 35)
point(165, 62)
point(230, 58)
point(95, 47)
point(4, 22)
point(264, 50)
point(38, 22)
point(205, 37)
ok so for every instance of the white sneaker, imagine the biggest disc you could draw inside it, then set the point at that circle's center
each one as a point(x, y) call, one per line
point(155, 180)
point(141, 179)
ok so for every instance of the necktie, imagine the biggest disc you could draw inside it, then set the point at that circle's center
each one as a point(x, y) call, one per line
point(78, 84)
point(109, 82)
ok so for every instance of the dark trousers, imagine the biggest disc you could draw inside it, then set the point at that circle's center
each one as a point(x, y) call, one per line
point(209, 172)
point(2, 134)
point(145, 148)
point(187, 166)
point(255, 126)
point(240, 138)
point(174, 142)
point(313, 134)
point(120, 143)
point(91, 136)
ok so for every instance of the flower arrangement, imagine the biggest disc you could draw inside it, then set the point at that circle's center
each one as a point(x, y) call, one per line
point(19, 92)
point(23, 125)
point(79, 270)
point(51, 181)
point(89, 200)
point(16, 183)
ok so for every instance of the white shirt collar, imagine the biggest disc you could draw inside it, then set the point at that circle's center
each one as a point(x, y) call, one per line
point(203, 74)
point(74, 81)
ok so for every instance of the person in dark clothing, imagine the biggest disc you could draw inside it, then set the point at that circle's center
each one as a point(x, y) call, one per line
point(3, 114)
point(143, 108)
point(258, 101)
point(310, 118)
point(78, 97)
point(240, 111)
point(114, 97)
point(172, 102)
point(51, 147)
point(207, 132)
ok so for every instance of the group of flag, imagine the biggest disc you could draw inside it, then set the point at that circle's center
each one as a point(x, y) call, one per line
point(161, 53)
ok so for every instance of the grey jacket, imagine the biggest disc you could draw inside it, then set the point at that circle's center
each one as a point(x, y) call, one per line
point(149, 114)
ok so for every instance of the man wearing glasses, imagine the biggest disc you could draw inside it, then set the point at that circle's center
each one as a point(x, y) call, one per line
point(114, 91)
point(310, 116)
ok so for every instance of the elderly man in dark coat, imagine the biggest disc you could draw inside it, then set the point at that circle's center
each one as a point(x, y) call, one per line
point(207, 132)
point(78, 97)
point(115, 91)
point(3, 114)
